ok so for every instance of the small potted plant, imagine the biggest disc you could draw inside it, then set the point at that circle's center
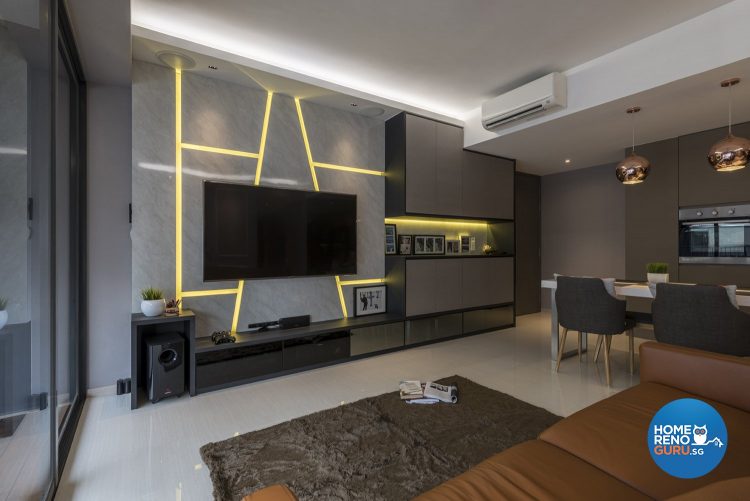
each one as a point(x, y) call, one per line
point(657, 273)
point(3, 312)
point(173, 308)
point(152, 304)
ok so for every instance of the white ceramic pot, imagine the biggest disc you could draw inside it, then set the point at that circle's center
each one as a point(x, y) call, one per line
point(3, 318)
point(658, 278)
point(153, 308)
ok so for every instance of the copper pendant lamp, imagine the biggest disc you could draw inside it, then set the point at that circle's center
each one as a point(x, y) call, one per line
point(634, 168)
point(731, 153)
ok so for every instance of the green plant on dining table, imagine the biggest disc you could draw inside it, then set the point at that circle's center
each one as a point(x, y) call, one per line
point(152, 294)
point(657, 268)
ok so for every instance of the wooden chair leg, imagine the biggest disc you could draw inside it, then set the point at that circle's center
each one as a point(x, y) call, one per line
point(561, 348)
point(631, 346)
point(598, 348)
point(580, 345)
point(607, 343)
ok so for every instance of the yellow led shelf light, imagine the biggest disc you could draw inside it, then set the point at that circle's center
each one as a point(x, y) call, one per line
point(439, 222)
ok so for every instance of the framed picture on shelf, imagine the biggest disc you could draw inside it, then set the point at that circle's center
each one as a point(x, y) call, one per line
point(369, 300)
point(404, 244)
point(465, 243)
point(429, 245)
point(390, 239)
point(453, 246)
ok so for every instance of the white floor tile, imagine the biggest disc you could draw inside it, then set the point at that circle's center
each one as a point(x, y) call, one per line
point(152, 453)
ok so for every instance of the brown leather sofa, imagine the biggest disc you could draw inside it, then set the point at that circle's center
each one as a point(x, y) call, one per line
point(600, 452)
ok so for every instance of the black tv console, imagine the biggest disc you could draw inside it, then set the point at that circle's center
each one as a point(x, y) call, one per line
point(261, 355)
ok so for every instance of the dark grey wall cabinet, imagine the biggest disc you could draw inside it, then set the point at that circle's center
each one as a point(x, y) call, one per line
point(421, 175)
point(487, 186)
point(429, 173)
point(431, 153)
point(487, 281)
point(451, 284)
point(528, 244)
point(699, 183)
point(433, 285)
point(651, 227)
point(450, 143)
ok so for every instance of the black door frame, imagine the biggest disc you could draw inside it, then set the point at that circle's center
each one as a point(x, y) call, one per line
point(64, 44)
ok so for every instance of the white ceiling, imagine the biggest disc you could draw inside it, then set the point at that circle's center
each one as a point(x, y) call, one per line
point(442, 56)
point(600, 134)
point(148, 51)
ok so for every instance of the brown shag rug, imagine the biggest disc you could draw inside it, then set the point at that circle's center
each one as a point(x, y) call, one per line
point(379, 448)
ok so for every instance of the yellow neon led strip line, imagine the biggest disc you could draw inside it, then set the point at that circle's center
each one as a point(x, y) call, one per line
point(357, 170)
point(178, 182)
point(263, 135)
point(258, 170)
point(307, 144)
point(341, 297)
point(210, 292)
point(366, 281)
point(396, 220)
point(221, 151)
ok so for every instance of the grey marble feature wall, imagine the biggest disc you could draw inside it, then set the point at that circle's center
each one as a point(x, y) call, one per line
point(227, 115)
point(14, 229)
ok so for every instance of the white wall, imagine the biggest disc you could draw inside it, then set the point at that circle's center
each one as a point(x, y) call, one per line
point(109, 248)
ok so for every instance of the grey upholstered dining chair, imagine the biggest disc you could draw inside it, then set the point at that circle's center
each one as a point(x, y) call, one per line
point(701, 317)
point(584, 305)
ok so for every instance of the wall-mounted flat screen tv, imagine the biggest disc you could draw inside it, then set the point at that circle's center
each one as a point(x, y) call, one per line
point(252, 232)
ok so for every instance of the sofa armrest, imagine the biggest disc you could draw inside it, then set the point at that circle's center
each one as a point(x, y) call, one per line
point(723, 378)
point(271, 493)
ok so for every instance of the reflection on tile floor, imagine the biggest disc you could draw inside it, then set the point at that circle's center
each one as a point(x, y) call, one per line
point(152, 453)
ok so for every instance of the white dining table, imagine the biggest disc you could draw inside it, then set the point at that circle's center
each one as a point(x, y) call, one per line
point(622, 289)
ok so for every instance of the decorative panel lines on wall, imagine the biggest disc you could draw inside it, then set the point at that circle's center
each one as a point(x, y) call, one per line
point(185, 144)
point(357, 170)
point(179, 147)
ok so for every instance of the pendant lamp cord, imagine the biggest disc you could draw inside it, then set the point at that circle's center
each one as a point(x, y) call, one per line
point(632, 131)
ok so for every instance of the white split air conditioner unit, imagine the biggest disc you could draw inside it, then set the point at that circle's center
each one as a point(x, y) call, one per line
point(530, 100)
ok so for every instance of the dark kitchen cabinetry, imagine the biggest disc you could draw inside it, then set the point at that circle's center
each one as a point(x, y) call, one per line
point(651, 227)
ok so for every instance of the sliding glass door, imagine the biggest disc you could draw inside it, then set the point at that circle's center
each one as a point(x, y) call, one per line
point(42, 385)
point(27, 438)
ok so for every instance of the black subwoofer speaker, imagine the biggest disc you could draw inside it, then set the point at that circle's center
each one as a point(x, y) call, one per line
point(166, 367)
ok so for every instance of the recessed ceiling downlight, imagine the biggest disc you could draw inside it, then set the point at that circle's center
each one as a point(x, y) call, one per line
point(372, 111)
point(176, 60)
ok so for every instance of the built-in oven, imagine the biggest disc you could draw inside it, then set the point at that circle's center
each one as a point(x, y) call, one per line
point(715, 235)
